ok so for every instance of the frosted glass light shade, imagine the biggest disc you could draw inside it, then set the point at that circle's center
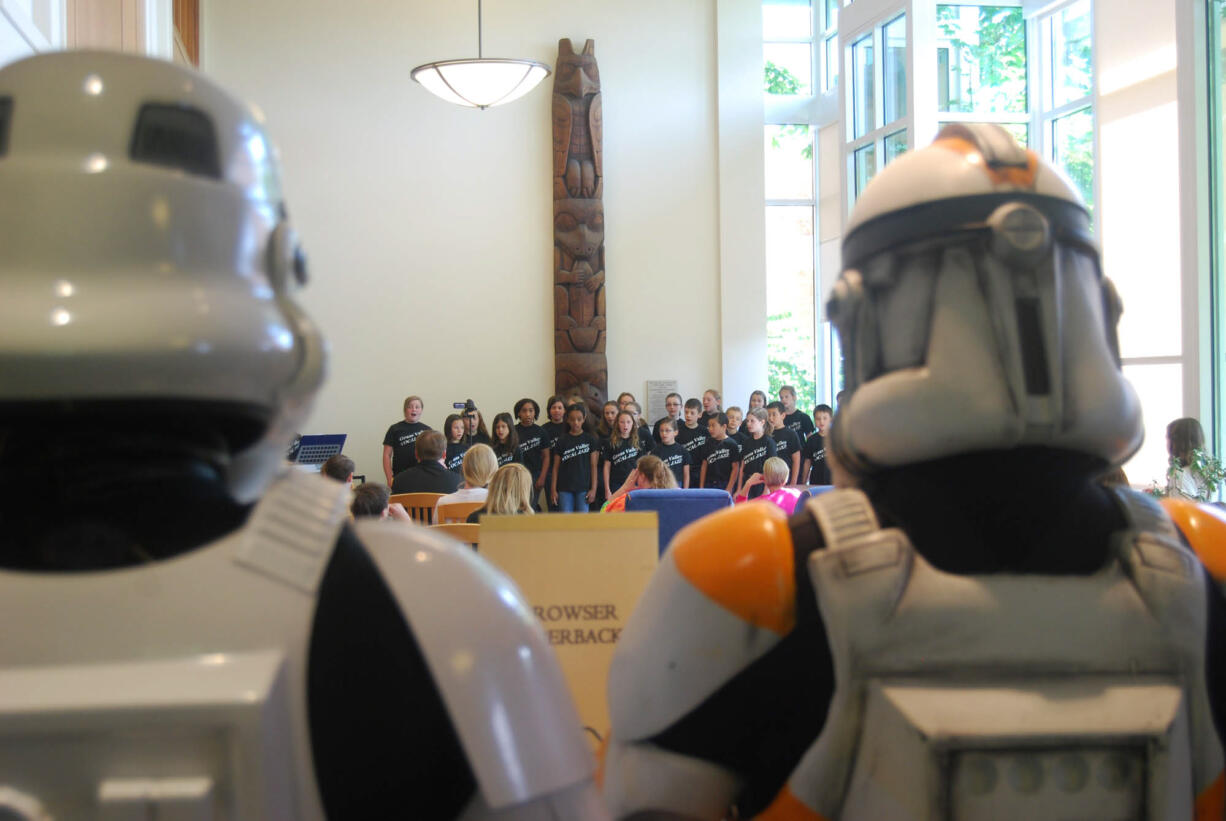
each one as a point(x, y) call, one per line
point(480, 82)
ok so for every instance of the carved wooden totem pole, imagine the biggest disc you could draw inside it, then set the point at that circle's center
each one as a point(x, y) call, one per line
point(580, 367)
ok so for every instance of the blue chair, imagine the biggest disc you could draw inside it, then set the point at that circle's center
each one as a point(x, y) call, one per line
point(677, 508)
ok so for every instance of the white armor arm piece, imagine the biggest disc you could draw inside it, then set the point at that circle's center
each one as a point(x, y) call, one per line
point(702, 620)
point(498, 677)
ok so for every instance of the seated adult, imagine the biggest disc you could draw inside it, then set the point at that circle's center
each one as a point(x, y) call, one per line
point(428, 475)
point(339, 467)
point(510, 493)
point(478, 468)
point(649, 472)
point(774, 475)
point(370, 501)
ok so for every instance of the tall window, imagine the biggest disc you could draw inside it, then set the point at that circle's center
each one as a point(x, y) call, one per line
point(877, 120)
point(1215, 427)
point(981, 67)
point(1065, 96)
point(798, 70)
point(790, 254)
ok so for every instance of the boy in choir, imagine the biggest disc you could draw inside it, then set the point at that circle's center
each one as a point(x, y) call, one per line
point(675, 457)
point(398, 451)
point(721, 461)
point(787, 443)
point(692, 436)
point(672, 412)
point(815, 470)
point(797, 420)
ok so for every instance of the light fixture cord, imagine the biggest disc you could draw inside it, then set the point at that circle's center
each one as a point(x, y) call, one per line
point(479, 55)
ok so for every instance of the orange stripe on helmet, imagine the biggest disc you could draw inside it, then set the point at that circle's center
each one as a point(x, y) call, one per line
point(1211, 803)
point(1000, 175)
point(742, 559)
point(1205, 528)
point(787, 807)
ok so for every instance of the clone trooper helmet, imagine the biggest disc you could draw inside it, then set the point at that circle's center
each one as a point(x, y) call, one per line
point(147, 258)
point(973, 313)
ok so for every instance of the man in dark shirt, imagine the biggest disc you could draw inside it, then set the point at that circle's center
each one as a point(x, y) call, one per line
point(796, 420)
point(428, 475)
point(398, 442)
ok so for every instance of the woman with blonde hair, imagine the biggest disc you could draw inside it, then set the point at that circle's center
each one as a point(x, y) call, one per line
point(649, 473)
point(510, 493)
point(774, 476)
point(477, 469)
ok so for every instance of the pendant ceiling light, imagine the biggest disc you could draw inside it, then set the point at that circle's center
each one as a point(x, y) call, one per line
point(480, 82)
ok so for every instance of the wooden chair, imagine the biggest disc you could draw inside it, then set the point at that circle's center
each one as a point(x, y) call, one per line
point(461, 532)
point(420, 506)
point(457, 511)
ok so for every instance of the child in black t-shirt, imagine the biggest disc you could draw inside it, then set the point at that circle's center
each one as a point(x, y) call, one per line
point(692, 436)
point(400, 441)
point(457, 442)
point(794, 418)
point(735, 417)
point(575, 453)
point(758, 447)
point(474, 425)
point(504, 441)
point(620, 454)
point(533, 445)
point(787, 443)
point(531, 438)
point(816, 469)
point(608, 418)
point(554, 427)
point(675, 457)
point(645, 437)
point(722, 458)
point(672, 411)
point(710, 406)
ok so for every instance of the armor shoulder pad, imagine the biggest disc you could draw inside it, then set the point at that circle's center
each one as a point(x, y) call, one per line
point(1204, 526)
point(292, 531)
point(499, 679)
point(723, 596)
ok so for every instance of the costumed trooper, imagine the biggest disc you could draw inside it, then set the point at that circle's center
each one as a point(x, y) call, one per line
point(978, 630)
point(188, 634)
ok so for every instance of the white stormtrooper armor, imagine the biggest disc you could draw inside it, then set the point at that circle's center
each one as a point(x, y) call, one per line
point(171, 650)
point(980, 630)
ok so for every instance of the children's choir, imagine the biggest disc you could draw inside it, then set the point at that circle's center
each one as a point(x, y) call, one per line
point(578, 461)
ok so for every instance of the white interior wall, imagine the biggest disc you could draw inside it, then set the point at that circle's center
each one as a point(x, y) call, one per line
point(1139, 213)
point(429, 227)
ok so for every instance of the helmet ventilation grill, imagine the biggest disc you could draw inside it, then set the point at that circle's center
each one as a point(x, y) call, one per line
point(6, 112)
point(1034, 355)
point(176, 137)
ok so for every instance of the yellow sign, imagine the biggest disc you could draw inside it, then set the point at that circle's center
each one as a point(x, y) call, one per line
point(582, 574)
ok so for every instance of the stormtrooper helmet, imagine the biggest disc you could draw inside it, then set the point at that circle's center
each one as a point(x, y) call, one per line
point(147, 258)
point(973, 313)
